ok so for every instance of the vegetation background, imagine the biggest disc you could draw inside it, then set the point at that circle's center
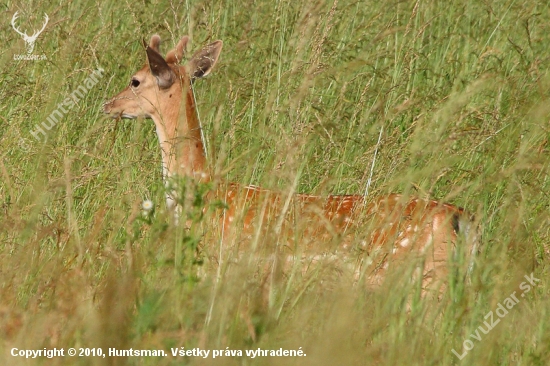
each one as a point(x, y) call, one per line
point(460, 91)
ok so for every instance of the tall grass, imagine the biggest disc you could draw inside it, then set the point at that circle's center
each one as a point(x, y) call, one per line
point(302, 91)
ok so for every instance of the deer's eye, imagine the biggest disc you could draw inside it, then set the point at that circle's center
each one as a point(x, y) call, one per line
point(134, 83)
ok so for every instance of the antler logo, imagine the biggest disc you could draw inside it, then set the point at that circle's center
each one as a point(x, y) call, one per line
point(29, 40)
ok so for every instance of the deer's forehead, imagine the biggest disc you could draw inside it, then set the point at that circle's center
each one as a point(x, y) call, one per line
point(143, 72)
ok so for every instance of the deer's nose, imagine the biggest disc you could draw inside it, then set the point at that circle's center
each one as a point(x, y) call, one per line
point(108, 109)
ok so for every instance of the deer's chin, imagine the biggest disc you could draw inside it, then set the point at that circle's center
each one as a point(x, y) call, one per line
point(128, 116)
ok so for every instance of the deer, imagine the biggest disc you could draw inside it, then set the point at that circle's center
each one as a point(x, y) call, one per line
point(393, 228)
point(29, 40)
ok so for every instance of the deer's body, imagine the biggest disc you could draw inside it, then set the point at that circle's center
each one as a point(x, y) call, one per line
point(391, 227)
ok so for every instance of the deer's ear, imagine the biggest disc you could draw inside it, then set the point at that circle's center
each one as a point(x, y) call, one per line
point(204, 60)
point(159, 68)
point(154, 43)
point(176, 55)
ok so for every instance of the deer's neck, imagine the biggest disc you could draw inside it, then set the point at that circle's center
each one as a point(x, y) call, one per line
point(179, 134)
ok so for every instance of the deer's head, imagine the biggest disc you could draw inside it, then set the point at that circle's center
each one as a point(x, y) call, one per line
point(156, 89)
